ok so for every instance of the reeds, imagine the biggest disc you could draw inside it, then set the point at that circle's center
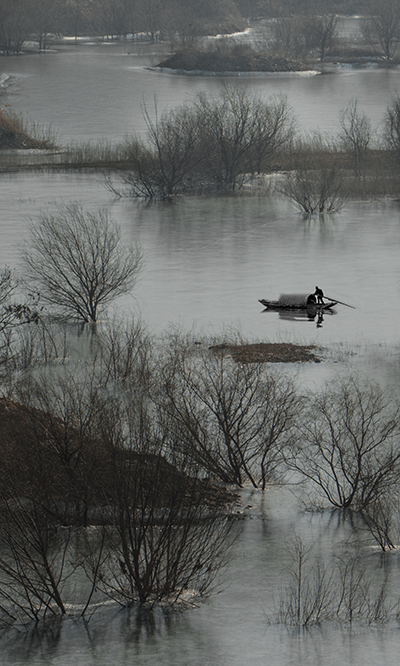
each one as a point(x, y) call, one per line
point(17, 132)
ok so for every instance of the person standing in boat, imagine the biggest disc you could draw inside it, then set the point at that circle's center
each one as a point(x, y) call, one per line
point(320, 296)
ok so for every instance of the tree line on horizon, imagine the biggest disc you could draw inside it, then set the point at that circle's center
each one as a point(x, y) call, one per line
point(42, 20)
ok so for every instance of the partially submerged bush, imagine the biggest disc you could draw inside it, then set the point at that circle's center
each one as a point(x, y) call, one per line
point(341, 589)
point(349, 443)
point(72, 457)
point(315, 191)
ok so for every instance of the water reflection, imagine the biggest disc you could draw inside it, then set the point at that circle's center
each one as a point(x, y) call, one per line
point(315, 315)
point(40, 643)
point(237, 626)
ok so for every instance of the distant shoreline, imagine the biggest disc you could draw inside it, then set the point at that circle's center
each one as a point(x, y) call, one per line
point(198, 72)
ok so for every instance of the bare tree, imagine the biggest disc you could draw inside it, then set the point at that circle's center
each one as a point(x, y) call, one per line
point(125, 349)
point(33, 565)
point(308, 597)
point(292, 36)
point(349, 444)
point(382, 28)
point(391, 130)
point(73, 454)
point(382, 519)
point(15, 313)
point(78, 262)
point(240, 132)
point(323, 33)
point(42, 487)
point(355, 134)
point(214, 142)
point(341, 589)
point(45, 21)
point(166, 542)
point(315, 190)
point(15, 24)
point(166, 167)
point(233, 418)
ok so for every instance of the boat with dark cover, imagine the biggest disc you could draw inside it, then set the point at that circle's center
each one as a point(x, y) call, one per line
point(297, 302)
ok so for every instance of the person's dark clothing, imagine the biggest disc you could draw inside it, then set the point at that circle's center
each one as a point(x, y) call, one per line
point(319, 294)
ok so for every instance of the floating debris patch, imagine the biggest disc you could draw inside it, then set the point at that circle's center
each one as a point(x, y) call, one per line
point(270, 352)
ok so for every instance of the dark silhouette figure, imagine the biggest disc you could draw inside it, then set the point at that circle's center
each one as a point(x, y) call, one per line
point(320, 296)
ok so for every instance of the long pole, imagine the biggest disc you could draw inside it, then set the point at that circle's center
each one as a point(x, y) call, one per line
point(341, 302)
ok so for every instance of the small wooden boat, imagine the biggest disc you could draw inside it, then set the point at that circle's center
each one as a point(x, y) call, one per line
point(297, 302)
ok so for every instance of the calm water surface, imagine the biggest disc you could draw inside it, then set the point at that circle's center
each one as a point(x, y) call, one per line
point(207, 261)
point(236, 626)
point(93, 91)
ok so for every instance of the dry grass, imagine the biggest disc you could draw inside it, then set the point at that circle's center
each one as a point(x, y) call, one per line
point(16, 133)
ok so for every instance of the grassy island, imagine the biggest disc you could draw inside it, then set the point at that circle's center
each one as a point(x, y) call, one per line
point(239, 59)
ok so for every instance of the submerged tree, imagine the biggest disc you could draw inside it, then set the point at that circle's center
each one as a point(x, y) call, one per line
point(349, 445)
point(355, 133)
point(240, 134)
point(210, 143)
point(315, 190)
point(78, 262)
point(232, 418)
point(33, 563)
point(14, 313)
point(341, 588)
point(91, 480)
point(165, 540)
point(165, 167)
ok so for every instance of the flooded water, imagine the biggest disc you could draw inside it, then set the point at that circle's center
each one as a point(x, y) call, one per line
point(207, 262)
point(209, 259)
point(91, 91)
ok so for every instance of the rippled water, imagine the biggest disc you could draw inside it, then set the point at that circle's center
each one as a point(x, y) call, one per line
point(207, 261)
